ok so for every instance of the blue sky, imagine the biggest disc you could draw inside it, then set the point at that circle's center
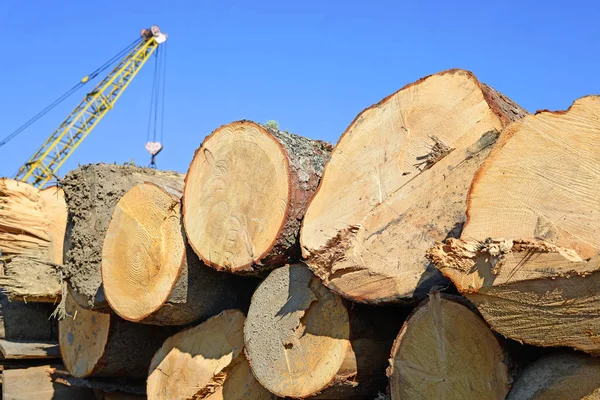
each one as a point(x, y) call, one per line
point(310, 65)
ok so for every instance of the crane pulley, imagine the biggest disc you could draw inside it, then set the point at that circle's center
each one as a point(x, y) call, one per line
point(46, 161)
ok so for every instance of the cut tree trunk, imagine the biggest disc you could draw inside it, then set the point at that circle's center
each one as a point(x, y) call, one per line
point(562, 376)
point(302, 340)
point(246, 192)
point(31, 280)
point(27, 321)
point(445, 351)
point(149, 272)
point(32, 221)
point(532, 292)
point(541, 182)
point(91, 192)
point(397, 182)
point(104, 345)
point(206, 361)
point(35, 383)
point(27, 350)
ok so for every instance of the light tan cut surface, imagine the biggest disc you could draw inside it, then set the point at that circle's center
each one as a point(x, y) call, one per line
point(533, 292)
point(396, 183)
point(205, 362)
point(82, 335)
point(296, 334)
point(542, 182)
point(35, 383)
point(143, 251)
point(563, 376)
point(28, 349)
point(32, 222)
point(236, 195)
point(445, 351)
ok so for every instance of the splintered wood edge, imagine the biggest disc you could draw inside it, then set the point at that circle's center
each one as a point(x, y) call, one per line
point(247, 266)
point(119, 297)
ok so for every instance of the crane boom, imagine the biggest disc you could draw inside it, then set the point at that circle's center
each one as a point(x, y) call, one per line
point(46, 161)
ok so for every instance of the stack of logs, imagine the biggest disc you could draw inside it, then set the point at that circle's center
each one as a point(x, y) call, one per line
point(446, 248)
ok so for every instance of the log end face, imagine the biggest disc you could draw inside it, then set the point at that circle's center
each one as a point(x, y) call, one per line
point(237, 197)
point(143, 251)
point(83, 336)
point(296, 334)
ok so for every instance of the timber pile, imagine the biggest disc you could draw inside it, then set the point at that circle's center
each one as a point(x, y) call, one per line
point(447, 247)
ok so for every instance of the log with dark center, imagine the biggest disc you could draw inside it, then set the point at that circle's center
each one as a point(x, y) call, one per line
point(246, 192)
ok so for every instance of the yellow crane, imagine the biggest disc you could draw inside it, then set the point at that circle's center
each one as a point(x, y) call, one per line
point(52, 154)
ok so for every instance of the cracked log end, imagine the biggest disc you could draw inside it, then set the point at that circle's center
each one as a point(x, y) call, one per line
point(103, 345)
point(551, 192)
point(32, 221)
point(205, 362)
point(561, 376)
point(444, 351)
point(529, 291)
point(397, 182)
point(246, 191)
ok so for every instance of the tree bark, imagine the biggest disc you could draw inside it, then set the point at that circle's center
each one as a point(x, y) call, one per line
point(21, 321)
point(444, 351)
point(205, 361)
point(91, 192)
point(397, 182)
point(32, 221)
point(561, 376)
point(245, 195)
point(31, 280)
point(532, 292)
point(302, 340)
point(541, 182)
point(149, 272)
point(104, 345)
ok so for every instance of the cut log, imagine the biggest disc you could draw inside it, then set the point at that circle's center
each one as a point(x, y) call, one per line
point(149, 272)
point(541, 182)
point(562, 376)
point(206, 361)
point(532, 292)
point(246, 192)
point(28, 350)
point(101, 386)
point(32, 221)
point(302, 340)
point(397, 182)
point(91, 192)
point(27, 321)
point(104, 345)
point(35, 383)
point(31, 280)
point(445, 351)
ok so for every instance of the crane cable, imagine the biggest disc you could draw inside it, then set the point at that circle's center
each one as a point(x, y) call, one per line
point(157, 100)
point(70, 92)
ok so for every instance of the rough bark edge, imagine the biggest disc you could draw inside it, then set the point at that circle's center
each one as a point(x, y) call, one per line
point(64, 378)
point(169, 191)
point(504, 138)
point(15, 288)
point(488, 95)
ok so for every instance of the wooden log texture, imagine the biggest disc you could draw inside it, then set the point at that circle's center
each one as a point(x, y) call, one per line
point(36, 383)
point(541, 182)
point(149, 272)
point(31, 280)
point(206, 361)
point(32, 221)
point(104, 345)
point(27, 321)
point(91, 193)
point(532, 292)
point(445, 351)
point(302, 340)
point(26, 350)
point(245, 195)
point(397, 182)
point(561, 376)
